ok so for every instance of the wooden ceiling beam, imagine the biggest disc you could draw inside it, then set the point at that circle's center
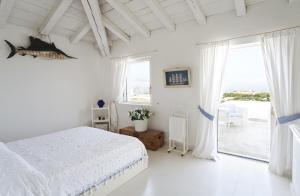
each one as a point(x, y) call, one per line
point(161, 14)
point(240, 7)
point(5, 10)
point(130, 17)
point(197, 12)
point(93, 13)
point(55, 14)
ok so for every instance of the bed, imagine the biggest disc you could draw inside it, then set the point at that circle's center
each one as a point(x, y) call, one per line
point(79, 161)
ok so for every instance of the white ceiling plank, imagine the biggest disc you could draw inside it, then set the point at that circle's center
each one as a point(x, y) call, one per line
point(108, 24)
point(197, 12)
point(53, 17)
point(161, 14)
point(115, 30)
point(80, 34)
point(240, 7)
point(129, 16)
point(32, 13)
point(5, 10)
point(294, 1)
point(93, 13)
point(110, 42)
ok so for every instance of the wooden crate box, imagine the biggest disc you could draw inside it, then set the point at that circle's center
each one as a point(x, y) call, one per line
point(152, 139)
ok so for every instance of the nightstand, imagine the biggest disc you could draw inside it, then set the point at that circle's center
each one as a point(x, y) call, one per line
point(101, 116)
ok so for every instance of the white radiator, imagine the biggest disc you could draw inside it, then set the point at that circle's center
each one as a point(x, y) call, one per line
point(178, 132)
point(295, 128)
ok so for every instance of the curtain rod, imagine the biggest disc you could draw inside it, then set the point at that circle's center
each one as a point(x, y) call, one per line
point(136, 54)
point(249, 35)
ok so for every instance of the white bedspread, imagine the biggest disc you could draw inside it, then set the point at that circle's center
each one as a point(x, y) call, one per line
point(18, 178)
point(77, 159)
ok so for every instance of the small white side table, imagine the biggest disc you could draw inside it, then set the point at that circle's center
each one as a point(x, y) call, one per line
point(101, 116)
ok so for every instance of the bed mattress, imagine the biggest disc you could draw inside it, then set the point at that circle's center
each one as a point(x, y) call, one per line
point(76, 160)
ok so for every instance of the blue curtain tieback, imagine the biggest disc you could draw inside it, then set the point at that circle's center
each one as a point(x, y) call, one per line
point(287, 119)
point(206, 114)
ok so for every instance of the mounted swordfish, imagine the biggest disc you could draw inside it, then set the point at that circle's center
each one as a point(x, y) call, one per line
point(38, 48)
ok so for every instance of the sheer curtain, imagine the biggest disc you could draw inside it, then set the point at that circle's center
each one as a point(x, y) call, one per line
point(119, 72)
point(213, 59)
point(279, 56)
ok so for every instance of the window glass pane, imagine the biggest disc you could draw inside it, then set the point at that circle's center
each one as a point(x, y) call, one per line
point(138, 82)
point(249, 71)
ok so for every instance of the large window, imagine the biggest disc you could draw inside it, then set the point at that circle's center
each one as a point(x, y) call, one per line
point(138, 88)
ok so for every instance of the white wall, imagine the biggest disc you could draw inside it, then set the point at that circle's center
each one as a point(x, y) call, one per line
point(178, 49)
point(38, 96)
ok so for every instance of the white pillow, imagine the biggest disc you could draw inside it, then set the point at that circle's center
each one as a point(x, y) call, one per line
point(18, 177)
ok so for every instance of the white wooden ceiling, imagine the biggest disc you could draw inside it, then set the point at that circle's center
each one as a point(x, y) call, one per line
point(141, 16)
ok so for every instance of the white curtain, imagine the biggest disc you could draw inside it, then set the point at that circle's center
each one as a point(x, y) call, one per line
point(279, 56)
point(119, 72)
point(213, 60)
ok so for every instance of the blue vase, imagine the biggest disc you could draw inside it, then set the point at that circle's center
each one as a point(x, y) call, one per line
point(100, 103)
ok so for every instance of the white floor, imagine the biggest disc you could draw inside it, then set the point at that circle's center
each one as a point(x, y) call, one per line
point(172, 175)
point(251, 139)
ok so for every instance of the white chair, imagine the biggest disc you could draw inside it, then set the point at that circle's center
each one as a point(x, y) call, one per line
point(178, 132)
point(224, 118)
point(232, 114)
point(238, 116)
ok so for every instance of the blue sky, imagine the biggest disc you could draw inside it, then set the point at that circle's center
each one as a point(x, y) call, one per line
point(245, 70)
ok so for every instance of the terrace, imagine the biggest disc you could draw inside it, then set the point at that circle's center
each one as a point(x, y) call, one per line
point(244, 126)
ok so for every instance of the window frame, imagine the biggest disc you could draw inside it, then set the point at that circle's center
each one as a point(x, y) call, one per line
point(125, 96)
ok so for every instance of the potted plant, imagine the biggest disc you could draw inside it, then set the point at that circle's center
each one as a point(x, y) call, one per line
point(140, 117)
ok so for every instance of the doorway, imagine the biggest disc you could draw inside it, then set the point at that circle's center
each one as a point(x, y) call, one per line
point(245, 110)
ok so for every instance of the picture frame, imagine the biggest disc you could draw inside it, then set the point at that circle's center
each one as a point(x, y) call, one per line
point(177, 77)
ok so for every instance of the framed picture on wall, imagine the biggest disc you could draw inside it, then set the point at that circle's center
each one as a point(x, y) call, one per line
point(177, 77)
